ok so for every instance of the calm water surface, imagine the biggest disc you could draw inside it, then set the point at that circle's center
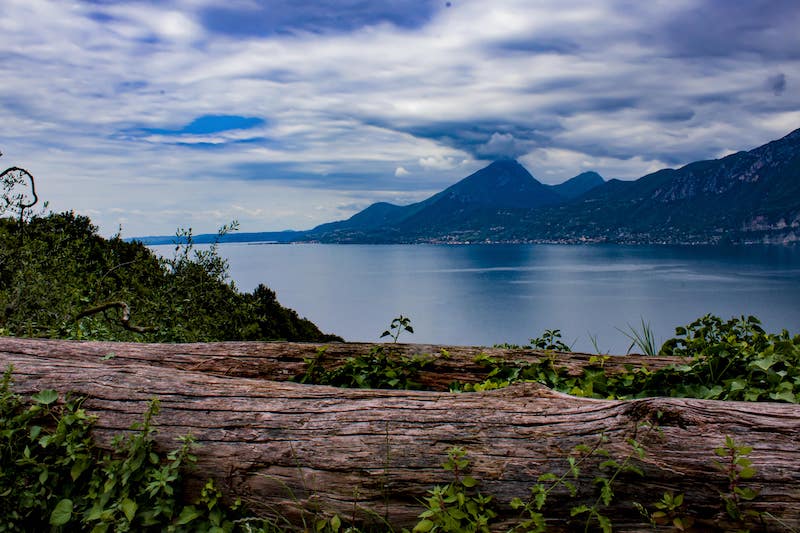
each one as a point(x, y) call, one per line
point(487, 294)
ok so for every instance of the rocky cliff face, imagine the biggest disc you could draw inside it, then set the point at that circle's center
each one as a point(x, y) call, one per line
point(721, 176)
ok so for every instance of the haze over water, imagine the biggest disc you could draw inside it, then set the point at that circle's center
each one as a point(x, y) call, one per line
point(488, 294)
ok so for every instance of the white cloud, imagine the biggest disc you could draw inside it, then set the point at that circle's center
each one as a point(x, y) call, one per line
point(564, 85)
point(438, 162)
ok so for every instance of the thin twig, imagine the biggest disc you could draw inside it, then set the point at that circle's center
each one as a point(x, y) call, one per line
point(125, 319)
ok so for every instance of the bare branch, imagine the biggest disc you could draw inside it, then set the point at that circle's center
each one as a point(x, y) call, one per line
point(14, 176)
point(125, 319)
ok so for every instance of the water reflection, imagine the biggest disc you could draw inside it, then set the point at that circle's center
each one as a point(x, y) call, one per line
point(507, 293)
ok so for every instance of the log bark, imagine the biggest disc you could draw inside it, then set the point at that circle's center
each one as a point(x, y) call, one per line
point(283, 361)
point(300, 449)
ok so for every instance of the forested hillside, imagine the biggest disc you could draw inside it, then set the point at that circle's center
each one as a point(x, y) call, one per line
point(59, 278)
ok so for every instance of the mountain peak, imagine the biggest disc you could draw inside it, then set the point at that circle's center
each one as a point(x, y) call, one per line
point(795, 135)
point(580, 184)
point(502, 183)
point(500, 163)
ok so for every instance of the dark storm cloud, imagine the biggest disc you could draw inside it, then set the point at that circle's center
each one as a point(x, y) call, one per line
point(537, 46)
point(722, 28)
point(674, 115)
point(777, 83)
point(378, 177)
point(484, 140)
point(594, 104)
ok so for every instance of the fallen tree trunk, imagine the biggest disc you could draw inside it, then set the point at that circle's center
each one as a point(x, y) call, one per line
point(300, 450)
point(283, 361)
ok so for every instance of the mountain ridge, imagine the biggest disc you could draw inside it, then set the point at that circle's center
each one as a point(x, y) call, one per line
point(503, 183)
point(748, 196)
point(745, 197)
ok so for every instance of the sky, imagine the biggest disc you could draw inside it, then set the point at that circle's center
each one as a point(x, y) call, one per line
point(154, 115)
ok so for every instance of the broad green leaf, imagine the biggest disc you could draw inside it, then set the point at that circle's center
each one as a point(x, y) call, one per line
point(468, 481)
point(423, 526)
point(764, 363)
point(737, 385)
point(78, 469)
point(746, 493)
point(784, 395)
point(128, 507)
point(747, 473)
point(45, 397)
point(456, 513)
point(62, 513)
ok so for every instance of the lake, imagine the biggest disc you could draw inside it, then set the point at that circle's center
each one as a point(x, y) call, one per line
point(489, 294)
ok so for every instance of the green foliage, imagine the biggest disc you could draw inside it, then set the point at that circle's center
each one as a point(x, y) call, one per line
point(582, 457)
point(736, 465)
point(52, 477)
point(62, 268)
point(398, 325)
point(456, 507)
point(609, 470)
point(550, 340)
point(731, 360)
point(724, 360)
point(51, 474)
point(378, 369)
point(670, 510)
point(532, 519)
point(643, 338)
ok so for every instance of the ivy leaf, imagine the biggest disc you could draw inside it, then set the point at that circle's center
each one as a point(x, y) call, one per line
point(468, 481)
point(129, 508)
point(737, 385)
point(45, 397)
point(62, 513)
point(423, 526)
point(784, 395)
point(188, 514)
point(747, 472)
point(764, 363)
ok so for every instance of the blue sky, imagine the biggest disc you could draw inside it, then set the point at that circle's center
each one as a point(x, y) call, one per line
point(286, 114)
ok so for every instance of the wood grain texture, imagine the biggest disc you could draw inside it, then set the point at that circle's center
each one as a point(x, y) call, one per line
point(295, 448)
point(281, 361)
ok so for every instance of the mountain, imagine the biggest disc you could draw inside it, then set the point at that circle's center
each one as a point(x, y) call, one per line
point(502, 184)
point(746, 197)
point(751, 196)
point(579, 185)
point(264, 237)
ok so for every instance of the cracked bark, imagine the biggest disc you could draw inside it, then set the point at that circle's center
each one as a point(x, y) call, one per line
point(294, 448)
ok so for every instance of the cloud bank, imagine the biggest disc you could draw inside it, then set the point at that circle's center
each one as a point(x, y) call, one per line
point(287, 114)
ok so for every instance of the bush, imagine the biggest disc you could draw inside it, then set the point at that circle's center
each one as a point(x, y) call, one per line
point(59, 278)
